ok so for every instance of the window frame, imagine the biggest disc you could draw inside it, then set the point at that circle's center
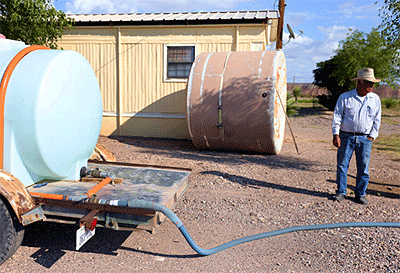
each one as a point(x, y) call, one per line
point(166, 79)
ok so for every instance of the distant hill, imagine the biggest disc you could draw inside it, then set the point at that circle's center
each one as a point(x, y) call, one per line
point(308, 89)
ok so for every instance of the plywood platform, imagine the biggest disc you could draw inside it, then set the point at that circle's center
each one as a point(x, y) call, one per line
point(160, 185)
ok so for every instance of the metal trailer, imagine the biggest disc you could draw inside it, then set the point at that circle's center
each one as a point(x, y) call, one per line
point(99, 199)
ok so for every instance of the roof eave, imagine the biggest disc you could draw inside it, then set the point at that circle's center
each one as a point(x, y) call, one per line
point(173, 22)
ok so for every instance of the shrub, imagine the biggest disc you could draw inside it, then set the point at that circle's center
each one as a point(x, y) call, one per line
point(291, 109)
point(329, 101)
point(296, 92)
point(389, 102)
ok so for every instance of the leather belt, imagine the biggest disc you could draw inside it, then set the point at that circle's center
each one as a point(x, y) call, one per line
point(354, 133)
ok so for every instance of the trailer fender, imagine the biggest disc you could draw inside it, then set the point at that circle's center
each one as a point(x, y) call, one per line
point(16, 194)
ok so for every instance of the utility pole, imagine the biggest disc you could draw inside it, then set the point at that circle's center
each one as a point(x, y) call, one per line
point(280, 24)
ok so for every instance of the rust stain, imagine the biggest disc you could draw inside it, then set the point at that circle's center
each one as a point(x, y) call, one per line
point(32, 216)
point(16, 194)
point(280, 101)
point(237, 112)
point(101, 153)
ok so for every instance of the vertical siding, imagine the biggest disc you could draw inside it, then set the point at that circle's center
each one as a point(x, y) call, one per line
point(213, 47)
point(102, 58)
point(98, 46)
point(143, 89)
point(142, 61)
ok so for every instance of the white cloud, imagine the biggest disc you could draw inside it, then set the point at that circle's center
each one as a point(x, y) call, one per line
point(303, 53)
point(334, 33)
point(129, 6)
point(298, 18)
point(100, 6)
point(352, 10)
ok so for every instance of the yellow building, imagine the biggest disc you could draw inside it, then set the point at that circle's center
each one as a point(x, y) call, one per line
point(142, 61)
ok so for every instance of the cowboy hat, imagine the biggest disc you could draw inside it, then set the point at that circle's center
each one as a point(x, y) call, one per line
point(366, 74)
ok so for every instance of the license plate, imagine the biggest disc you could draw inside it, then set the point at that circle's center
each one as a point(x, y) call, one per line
point(82, 236)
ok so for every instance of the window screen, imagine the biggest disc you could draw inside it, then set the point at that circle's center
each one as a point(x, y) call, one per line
point(179, 61)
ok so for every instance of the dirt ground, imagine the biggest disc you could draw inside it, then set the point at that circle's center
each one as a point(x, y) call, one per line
point(232, 195)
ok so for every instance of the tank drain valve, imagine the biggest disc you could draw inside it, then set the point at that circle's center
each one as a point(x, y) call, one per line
point(95, 172)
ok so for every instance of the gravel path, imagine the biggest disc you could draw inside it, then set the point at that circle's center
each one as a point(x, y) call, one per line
point(232, 195)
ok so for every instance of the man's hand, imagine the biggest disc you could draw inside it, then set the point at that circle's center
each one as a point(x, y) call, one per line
point(370, 138)
point(336, 141)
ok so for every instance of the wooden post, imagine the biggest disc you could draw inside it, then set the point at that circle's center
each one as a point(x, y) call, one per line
point(280, 24)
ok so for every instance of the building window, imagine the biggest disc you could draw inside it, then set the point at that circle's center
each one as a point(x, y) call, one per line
point(179, 60)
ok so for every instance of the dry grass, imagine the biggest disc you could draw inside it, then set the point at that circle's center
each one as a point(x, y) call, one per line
point(390, 144)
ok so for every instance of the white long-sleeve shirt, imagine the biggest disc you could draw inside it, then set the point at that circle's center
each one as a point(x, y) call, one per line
point(352, 114)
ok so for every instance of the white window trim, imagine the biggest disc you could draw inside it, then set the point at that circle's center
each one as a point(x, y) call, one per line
point(165, 79)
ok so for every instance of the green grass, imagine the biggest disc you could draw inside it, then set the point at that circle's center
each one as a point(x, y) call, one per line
point(305, 100)
point(389, 144)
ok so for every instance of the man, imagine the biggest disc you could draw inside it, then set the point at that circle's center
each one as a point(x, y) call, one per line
point(355, 124)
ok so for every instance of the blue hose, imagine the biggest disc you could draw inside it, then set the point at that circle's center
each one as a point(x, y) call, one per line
point(205, 252)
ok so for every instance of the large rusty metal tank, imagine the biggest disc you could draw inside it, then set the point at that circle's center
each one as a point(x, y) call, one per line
point(236, 101)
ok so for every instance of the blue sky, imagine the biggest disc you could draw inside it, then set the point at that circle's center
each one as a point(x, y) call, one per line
point(324, 23)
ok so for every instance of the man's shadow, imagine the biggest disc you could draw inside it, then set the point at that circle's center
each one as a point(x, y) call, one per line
point(374, 188)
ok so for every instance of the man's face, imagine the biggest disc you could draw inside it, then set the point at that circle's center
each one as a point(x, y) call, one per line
point(364, 86)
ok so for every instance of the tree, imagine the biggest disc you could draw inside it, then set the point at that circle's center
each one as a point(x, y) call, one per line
point(35, 22)
point(358, 50)
point(390, 14)
point(296, 92)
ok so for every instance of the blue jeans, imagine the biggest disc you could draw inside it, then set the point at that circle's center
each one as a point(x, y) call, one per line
point(362, 147)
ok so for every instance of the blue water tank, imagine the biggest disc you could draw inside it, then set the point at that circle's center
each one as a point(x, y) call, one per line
point(52, 114)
